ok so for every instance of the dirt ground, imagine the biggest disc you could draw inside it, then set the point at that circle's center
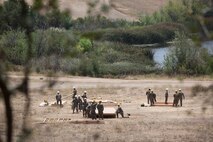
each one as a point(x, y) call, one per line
point(146, 124)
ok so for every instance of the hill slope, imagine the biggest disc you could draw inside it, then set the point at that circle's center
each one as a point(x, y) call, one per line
point(119, 9)
point(124, 9)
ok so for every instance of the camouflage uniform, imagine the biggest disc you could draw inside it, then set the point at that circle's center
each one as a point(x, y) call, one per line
point(176, 99)
point(74, 93)
point(92, 110)
point(181, 97)
point(84, 95)
point(166, 96)
point(79, 103)
point(119, 111)
point(148, 95)
point(88, 110)
point(58, 98)
point(84, 106)
point(152, 98)
point(75, 105)
point(100, 108)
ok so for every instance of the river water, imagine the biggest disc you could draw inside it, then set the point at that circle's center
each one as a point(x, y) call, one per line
point(160, 53)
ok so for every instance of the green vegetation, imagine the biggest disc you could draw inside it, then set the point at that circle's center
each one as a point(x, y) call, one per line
point(180, 11)
point(97, 46)
point(159, 33)
point(187, 58)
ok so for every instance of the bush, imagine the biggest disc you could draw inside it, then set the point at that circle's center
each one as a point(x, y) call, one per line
point(186, 58)
point(159, 33)
point(54, 41)
point(181, 11)
point(85, 44)
point(14, 44)
point(126, 68)
point(91, 23)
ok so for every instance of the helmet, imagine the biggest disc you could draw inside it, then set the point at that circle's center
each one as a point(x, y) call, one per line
point(179, 89)
point(167, 89)
point(149, 88)
point(73, 87)
point(58, 92)
point(85, 91)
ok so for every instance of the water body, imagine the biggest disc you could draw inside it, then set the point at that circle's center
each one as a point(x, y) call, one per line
point(160, 53)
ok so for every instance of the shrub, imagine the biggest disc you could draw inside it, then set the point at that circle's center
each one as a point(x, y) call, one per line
point(186, 58)
point(54, 41)
point(85, 44)
point(158, 33)
point(181, 11)
point(91, 23)
point(15, 46)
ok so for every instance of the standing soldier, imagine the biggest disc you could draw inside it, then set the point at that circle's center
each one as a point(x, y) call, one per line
point(166, 95)
point(176, 99)
point(84, 95)
point(148, 95)
point(88, 111)
point(100, 108)
point(84, 105)
point(152, 97)
point(58, 98)
point(75, 104)
point(181, 96)
point(92, 110)
point(119, 111)
point(74, 92)
point(79, 103)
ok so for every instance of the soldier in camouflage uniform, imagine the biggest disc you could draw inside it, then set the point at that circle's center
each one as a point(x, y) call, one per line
point(75, 104)
point(100, 108)
point(154, 96)
point(84, 106)
point(119, 111)
point(74, 94)
point(148, 95)
point(176, 99)
point(166, 96)
point(92, 110)
point(79, 103)
point(84, 95)
point(181, 96)
point(88, 111)
point(58, 98)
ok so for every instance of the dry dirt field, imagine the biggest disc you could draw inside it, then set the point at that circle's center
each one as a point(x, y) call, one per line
point(146, 124)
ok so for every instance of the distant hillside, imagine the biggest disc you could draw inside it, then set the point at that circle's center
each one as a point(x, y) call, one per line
point(124, 9)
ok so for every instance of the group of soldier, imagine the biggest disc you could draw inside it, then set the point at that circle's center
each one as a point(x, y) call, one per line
point(151, 97)
point(80, 103)
point(178, 97)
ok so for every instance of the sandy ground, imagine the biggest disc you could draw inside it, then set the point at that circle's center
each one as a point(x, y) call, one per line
point(146, 124)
